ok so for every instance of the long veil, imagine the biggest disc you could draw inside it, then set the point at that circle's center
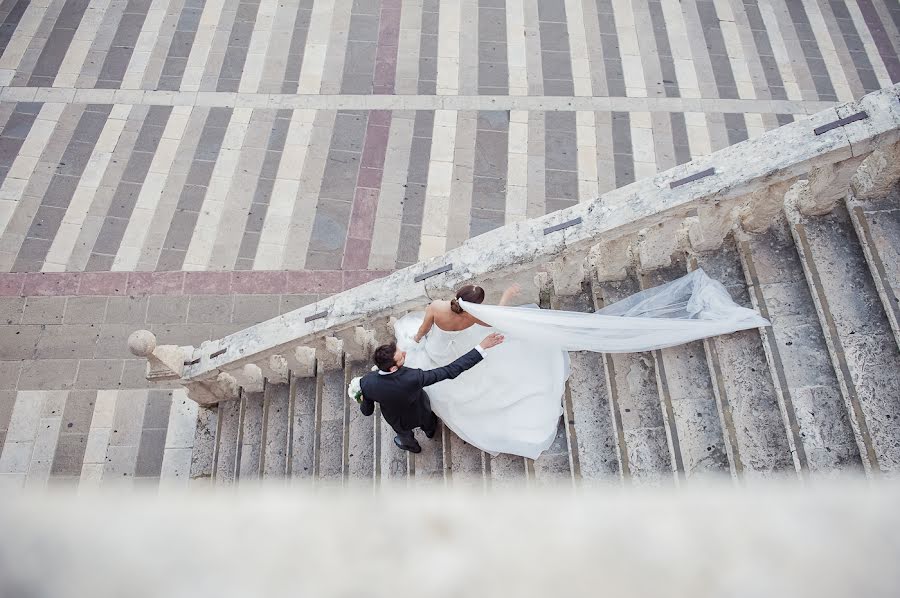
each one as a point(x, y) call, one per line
point(683, 310)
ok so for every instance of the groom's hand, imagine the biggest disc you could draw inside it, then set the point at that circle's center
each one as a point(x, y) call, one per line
point(491, 340)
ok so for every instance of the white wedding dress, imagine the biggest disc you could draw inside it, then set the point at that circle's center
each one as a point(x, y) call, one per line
point(511, 401)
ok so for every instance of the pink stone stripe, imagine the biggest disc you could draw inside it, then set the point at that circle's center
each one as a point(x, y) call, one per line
point(255, 282)
point(388, 43)
point(368, 187)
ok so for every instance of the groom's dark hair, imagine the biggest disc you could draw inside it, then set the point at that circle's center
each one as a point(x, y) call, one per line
point(384, 357)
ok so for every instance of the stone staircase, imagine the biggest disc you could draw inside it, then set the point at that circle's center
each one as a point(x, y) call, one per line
point(815, 394)
point(810, 238)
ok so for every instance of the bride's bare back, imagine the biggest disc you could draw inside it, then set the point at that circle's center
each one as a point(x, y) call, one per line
point(447, 319)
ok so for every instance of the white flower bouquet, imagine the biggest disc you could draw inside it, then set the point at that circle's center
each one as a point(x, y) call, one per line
point(354, 391)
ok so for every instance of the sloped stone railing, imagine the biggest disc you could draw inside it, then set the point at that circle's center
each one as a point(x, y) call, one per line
point(696, 203)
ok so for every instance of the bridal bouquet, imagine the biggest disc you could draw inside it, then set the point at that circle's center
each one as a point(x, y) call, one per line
point(354, 391)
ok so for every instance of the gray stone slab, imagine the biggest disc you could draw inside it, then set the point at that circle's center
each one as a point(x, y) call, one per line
point(202, 454)
point(85, 310)
point(303, 428)
point(277, 425)
point(331, 425)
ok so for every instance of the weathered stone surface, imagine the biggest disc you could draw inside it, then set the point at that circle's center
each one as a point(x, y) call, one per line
point(595, 429)
point(877, 225)
point(877, 175)
point(863, 348)
point(303, 428)
point(686, 390)
point(227, 442)
point(798, 355)
point(251, 435)
point(203, 453)
point(466, 462)
point(754, 429)
point(360, 435)
point(276, 433)
point(331, 425)
point(553, 467)
point(634, 393)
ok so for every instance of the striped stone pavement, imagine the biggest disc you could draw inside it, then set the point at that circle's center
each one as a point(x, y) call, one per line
point(366, 134)
point(194, 167)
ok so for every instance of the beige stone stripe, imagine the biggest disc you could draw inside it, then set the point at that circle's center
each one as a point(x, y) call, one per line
point(698, 134)
point(537, 193)
point(69, 229)
point(635, 85)
point(406, 79)
point(203, 40)
point(176, 464)
point(448, 48)
point(459, 209)
point(533, 48)
point(389, 214)
point(517, 167)
point(791, 87)
point(829, 52)
point(26, 161)
point(606, 161)
point(21, 435)
point(78, 50)
point(516, 53)
point(146, 41)
point(98, 438)
point(274, 236)
point(242, 191)
point(275, 61)
point(129, 253)
point(836, 39)
point(336, 56)
point(735, 49)
point(586, 135)
point(756, 126)
point(46, 439)
point(199, 251)
point(259, 45)
point(682, 57)
point(316, 48)
point(440, 184)
point(642, 147)
point(313, 172)
point(21, 39)
point(884, 79)
point(578, 49)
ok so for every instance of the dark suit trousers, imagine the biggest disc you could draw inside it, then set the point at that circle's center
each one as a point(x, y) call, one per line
point(429, 428)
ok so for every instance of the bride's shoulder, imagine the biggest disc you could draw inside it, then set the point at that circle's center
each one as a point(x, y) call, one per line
point(439, 306)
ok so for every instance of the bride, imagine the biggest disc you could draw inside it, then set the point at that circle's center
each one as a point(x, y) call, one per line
point(512, 402)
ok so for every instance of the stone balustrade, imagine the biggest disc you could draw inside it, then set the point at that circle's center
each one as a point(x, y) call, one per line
point(813, 163)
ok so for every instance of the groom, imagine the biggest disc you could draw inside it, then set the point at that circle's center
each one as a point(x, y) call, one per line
point(400, 390)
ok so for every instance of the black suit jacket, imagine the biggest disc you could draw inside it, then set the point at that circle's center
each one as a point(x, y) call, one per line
point(403, 401)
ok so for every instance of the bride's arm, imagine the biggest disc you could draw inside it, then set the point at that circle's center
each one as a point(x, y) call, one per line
point(427, 323)
point(510, 294)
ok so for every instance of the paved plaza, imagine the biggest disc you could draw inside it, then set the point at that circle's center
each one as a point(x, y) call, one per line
point(195, 167)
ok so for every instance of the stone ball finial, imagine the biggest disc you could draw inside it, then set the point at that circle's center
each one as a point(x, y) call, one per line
point(142, 343)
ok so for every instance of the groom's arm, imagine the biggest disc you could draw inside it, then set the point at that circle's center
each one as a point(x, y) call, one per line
point(429, 377)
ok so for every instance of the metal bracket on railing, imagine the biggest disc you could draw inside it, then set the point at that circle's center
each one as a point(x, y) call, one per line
point(317, 316)
point(195, 362)
point(435, 272)
point(841, 122)
point(694, 177)
point(562, 225)
point(217, 353)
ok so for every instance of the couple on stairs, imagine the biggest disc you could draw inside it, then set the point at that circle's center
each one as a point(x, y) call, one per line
point(513, 402)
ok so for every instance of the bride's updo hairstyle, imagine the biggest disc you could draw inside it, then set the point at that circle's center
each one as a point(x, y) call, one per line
point(470, 293)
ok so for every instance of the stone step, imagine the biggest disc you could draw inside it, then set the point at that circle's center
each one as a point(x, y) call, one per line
point(228, 433)
point(467, 464)
point(752, 423)
point(276, 416)
point(553, 467)
point(631, 379)
point(862, 345)
point(592, 435)
point(393, 463)
point(877, 224)
point(360, 434)
point(302, 441)
point(506, 470)
point(250, 448)
point(820, 433)
point(203, 449)
point(330, 418)
point(689, 409)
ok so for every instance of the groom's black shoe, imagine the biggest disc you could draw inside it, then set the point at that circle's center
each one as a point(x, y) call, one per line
point(432, 430)
point(408, 445)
